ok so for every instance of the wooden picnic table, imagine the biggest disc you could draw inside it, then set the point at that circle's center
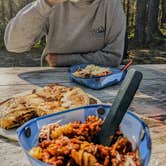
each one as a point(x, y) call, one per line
point(149, 103)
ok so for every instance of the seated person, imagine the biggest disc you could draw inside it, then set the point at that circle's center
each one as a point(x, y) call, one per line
point(87, 31)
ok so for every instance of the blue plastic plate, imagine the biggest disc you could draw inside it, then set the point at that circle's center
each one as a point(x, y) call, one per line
point(131, 126)
point(100, 81)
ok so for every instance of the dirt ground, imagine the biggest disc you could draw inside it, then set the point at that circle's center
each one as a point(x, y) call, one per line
point(32, 59)
point(148, 56)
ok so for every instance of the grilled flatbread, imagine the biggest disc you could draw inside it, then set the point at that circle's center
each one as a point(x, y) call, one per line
point(50, 99)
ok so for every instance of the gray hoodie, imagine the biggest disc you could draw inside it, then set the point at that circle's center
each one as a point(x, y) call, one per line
point(82, 32)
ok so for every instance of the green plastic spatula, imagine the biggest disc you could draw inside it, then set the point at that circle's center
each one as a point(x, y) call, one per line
point(119, 107)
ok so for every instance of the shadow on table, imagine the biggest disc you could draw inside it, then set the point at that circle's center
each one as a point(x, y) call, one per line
point(45, 77)
point(152, 88)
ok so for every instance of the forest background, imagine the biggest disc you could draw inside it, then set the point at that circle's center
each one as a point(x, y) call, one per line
point(145, 36)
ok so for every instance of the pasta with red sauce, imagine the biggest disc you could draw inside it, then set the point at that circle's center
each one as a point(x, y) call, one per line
point(71, 145)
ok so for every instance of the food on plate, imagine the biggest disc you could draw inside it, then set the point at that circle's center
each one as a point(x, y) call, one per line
point(17, 117)
point(92, 71)
point(72, 145)
point(50, 99)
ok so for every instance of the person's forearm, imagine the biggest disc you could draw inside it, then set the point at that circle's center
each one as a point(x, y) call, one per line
point(24, 29)
point(111, 55)
point(99, 57)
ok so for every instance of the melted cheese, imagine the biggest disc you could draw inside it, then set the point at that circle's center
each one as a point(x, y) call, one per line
point(45, 101)
point(91, 70)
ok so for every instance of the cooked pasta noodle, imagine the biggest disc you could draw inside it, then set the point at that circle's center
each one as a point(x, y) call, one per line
point(71, 145)
point(92, 71)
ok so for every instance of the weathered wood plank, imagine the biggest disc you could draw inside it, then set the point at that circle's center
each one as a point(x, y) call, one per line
point(158, 67)
point(39, 74)
point(147, 100)
point(150, 101)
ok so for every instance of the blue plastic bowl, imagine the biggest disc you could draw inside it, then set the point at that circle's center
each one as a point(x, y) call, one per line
point(100, 81)
point(132, 127)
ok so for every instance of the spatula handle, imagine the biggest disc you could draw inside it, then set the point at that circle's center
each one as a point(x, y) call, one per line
point(127, 65)
point(119, 107)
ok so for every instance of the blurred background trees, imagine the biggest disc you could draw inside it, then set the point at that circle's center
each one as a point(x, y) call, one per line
point(146, 19)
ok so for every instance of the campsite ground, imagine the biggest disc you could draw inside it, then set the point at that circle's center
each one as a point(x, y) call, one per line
point(32, 59)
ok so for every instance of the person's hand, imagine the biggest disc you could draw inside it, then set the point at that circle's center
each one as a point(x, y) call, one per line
point(53, 2)
point(51, 60)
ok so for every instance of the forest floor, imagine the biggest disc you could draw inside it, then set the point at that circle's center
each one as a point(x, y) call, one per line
point(32, 59)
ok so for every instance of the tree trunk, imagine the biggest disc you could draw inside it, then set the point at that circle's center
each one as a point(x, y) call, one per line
point(10, 4)
point(24, 3)
point(3, 10)
point(124, 5)
point(163, 6)
point(152, 22)
point(128, 13)
point(140, 25)
point(133, 14)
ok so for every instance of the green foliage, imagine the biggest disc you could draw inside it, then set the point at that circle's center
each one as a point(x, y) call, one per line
point(163, 29)
point(130, 33)
point(40, 44)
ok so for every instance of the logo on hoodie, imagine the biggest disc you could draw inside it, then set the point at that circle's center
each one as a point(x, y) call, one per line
point(99, 31)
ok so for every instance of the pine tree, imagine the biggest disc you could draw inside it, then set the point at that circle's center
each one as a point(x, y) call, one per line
point(140, 25)
point(152, 22)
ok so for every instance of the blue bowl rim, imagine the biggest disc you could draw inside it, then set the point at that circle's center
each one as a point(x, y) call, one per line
point(94, 77)
point(20, 129)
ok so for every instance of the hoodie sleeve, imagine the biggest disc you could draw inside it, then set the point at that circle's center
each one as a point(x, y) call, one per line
point(112, 53)
point(27, 27)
